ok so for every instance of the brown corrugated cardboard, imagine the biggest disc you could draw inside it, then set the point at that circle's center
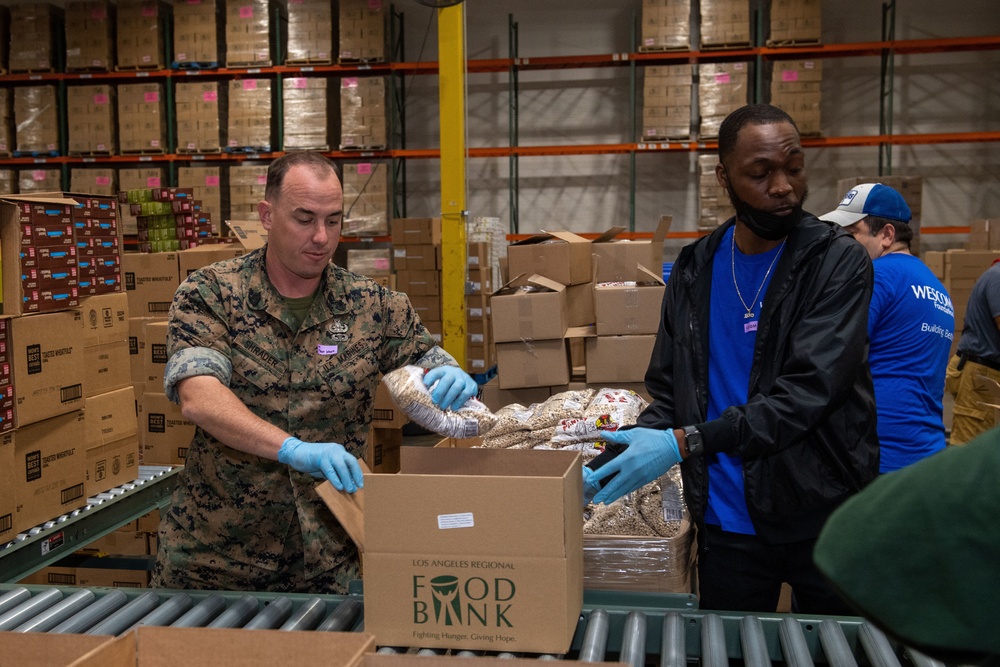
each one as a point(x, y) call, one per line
point(7, 500)
point(560, 256)
point(197, 32)
point(618, 358)
point(35, 120)
point(46, 649)
point(48, 472)
point(112, 577)
point(460, 569)
point(126, 541)
point(382, 449)
point(616, 260)
point(189, 261)
point(250, 233)
point(148, 646)
point(33, 27)
point(140, 34)
point(540, 363)
point(416, 231)
point(386, 414)
point(110, 417)
point(155, 353)
point(106, 367)
point(150, 282)
point(495, 398)
point(250, 114)
point(538, 314)
point(105, 319)
point(984, 233)
point(164, 433)
point(112, 464)
point(48, 367)
point(629, 309)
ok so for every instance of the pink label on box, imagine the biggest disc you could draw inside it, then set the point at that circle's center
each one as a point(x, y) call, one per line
point(722, 78)
point(100, 98)
point(151, 98)
point(38, 174)
point(3, 146)
point(374, 4)
point(210, 96)
point(246, 12)
point(790, 75)
point(365, 168)
point(250, 84)
point(103, 180)
point(349, 82)
point(98, 14)
point(382, 263)
point(182, 56)
point(191, 145)
point(155, 143)
point(147, 59)
point(299, 82)
point(262, 179)
point(211, 181)
point(149, 11)
point(153, 182)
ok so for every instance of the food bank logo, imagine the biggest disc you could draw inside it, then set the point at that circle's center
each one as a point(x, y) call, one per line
point(473, 602)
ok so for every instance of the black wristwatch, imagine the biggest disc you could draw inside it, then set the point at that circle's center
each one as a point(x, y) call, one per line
point(693, 440)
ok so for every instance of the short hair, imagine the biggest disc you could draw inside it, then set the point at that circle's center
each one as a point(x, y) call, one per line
point(751, 114)
point(277, 170)
point(904, 233)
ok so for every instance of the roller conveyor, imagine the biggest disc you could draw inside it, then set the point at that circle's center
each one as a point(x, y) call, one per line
point(633, 628)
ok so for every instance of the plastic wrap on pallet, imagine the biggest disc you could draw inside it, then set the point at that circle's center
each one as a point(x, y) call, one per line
point(796, 88)
point(249, 123)
point(91, 120)
point(197, 28)
point(722, 88)
point(362, 30)
point(94, 181)
point(666, 25)
point(725, 23)
point(305, 113)
point(666, 102)
point(795, 22)
point(372, 262)
point(248, 39)
point(142, 126)
point(39, 180)
point(198, 110)
point(140, 34)
point(32, 37)
point(8, 182)
point(310, 31)
point(6, 122)
point(36, 119)
point(246, 190)
point(362, 113)
point(89, 42)
point(366, 199)
point(712, 197)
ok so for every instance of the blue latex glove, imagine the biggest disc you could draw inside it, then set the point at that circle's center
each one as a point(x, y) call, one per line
point(651, 452)
point(590, 487)
point(323, 459)
point(454, 386)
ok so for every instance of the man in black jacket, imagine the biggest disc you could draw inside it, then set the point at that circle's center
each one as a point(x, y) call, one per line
point(760, 379)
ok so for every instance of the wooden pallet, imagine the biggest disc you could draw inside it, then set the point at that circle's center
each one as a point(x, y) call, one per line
point(43, 70)
point(352, 149)
point(143, 151)
point(198, 151)
point(191, 64)
point(87, 69)
point(663, 138)
point(299, 62)
point(725, 47)
point(246, 65)
point(323, 148)
point(791, 43)
point(663, 49)
point(359, 61)
point(139, 68)
point(106, 153)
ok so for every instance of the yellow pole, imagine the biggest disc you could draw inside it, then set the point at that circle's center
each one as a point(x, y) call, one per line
point(451, 68)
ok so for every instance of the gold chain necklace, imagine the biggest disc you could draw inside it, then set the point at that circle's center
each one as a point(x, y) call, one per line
point(749, 308)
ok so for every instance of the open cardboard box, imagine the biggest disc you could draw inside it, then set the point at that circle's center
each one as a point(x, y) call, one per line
point(621, 310)
point(519, 315)
point(149, 646)
point(29, 649)
point(616, 259)
point(490, 558)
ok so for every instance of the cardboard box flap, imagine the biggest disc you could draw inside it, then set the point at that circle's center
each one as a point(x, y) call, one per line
point(349, 508)
point(643, 276)
point(42, 198)
point(569, 237)
point(151, 646)
point(534, 279)
point(403, 660)
point(621, 255)
point(610, 234)
point(27, 649)
point(251, 233)
point(465, 500)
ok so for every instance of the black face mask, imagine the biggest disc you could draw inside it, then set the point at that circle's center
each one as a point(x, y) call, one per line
point(763, 223)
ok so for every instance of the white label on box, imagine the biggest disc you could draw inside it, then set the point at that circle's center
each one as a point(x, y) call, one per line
point(463, 520)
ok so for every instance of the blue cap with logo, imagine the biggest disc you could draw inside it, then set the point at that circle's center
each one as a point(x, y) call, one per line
point(869, 199)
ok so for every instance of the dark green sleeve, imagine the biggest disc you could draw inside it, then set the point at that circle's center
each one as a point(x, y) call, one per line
point(917, 551)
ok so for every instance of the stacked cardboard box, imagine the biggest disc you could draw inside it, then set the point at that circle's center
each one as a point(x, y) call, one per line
point(32, 37)
point(795, 22)
point(722, 88)
point(564, 257)
point(8, 182)
point(6, 401)
point(39, 255)
point(140, 26)
point(362, 31)
point(198, 110)
point(36, 120)
point(529, 329)
point(89, 45)
point(714, 204)
point(666, 102)
point(168, 219)
point(248, 40)
point(480, 350)
point(90, 111)
point(984, 233)
point(6, 123)
point(491, 231)
point(416, 250)
point(305, 116)
point(725, 23)
point(374, 263)
point(94, 181)
point(98, 244)
point(366, 199)
point(666, 25)
point(150, 283)
point(310, 32)
point(206, 184)
point(136, 179)
point(141, 118)
point(249, 122)
point(796, 88)
point(196, 33)
point(246, 190)
point(4, 58)
point(910, 187)
point(362, 113)
point(39, 180)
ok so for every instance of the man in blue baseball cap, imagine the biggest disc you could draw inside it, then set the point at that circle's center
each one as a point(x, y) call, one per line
point(911, 324)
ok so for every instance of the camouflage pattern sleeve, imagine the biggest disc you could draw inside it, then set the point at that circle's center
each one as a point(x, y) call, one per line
point(198, 314)
point(406, 339)
point(191, 361)
point(436, 356)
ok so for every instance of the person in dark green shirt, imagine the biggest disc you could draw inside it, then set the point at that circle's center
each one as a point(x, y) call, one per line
point(917, 551)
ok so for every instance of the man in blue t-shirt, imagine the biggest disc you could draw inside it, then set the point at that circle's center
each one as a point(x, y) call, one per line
point(911, 325)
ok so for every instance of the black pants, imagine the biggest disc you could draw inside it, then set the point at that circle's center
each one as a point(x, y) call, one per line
point(740, 573)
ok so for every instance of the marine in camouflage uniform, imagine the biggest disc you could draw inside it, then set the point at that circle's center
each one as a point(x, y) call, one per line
point(243, 522)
